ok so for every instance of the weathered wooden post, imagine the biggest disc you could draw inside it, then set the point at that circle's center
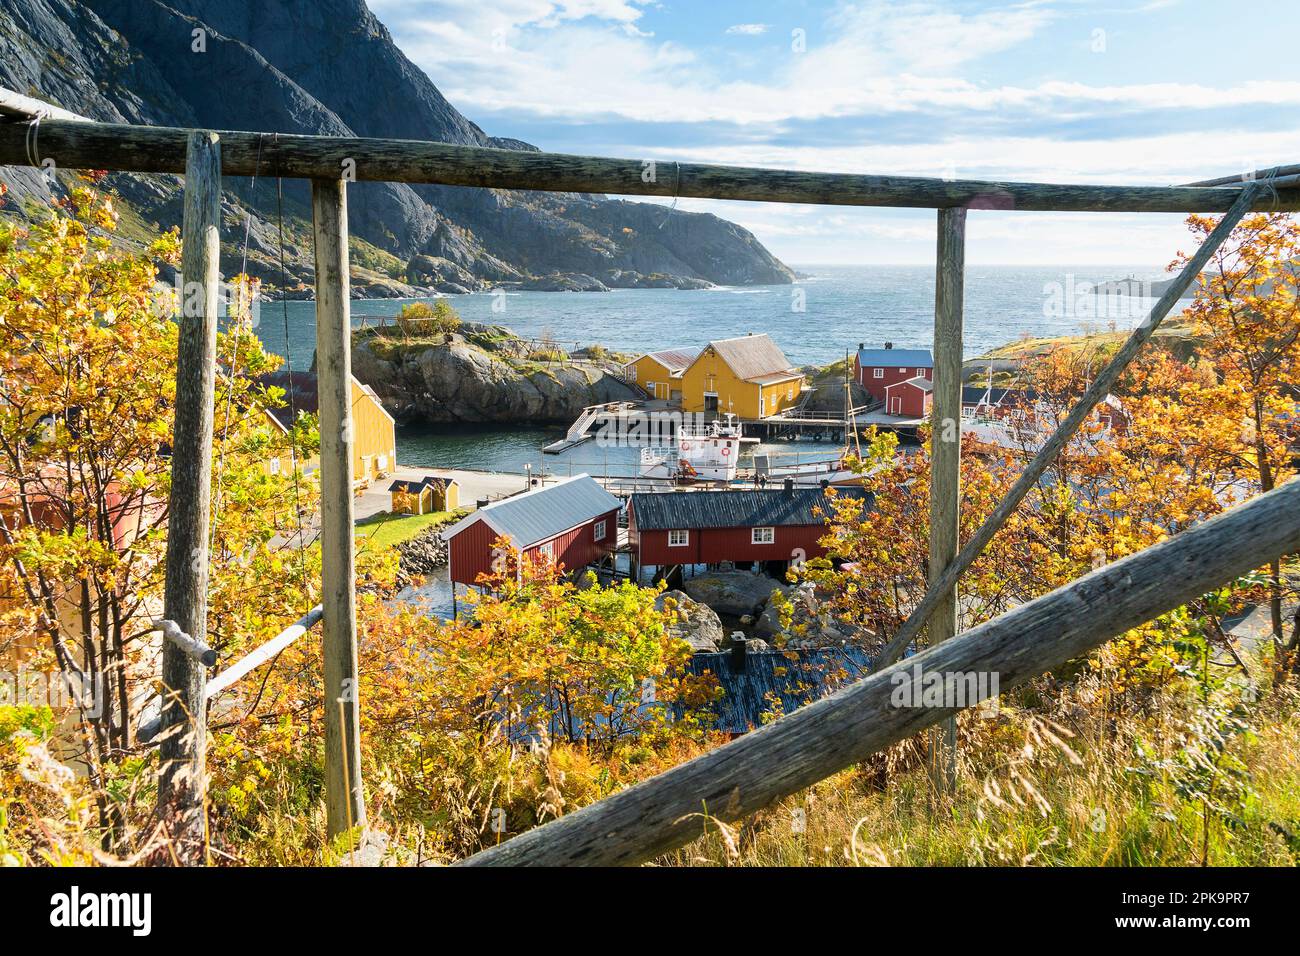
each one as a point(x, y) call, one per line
point(945, 456)
point(344, 798)
point(182, 778)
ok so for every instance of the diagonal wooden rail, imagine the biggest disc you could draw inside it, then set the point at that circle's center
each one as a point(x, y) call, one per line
point(815, 741)
point(941, 587)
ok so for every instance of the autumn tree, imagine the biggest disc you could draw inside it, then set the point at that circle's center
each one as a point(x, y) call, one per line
point(87, 392)
point(1247, 319)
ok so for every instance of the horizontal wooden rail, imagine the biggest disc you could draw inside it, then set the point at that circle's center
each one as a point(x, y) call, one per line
point(815, 741)
point(160, 149)
point(1054, 445)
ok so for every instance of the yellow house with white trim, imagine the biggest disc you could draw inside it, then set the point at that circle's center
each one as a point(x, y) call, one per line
point(374, 432)
point(748, 376)
point(660, 373)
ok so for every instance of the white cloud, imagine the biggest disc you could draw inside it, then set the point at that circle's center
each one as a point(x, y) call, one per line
point(747, 29)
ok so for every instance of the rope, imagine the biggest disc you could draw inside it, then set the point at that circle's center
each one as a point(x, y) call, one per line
point(676, 193)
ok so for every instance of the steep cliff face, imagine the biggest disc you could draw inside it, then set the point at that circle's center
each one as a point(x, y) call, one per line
point(483, 374)
point(330, 67)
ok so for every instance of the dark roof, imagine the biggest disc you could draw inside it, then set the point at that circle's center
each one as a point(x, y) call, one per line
point(304, 396)
point(654, 511)
point(540, 514)
point(432, 481)
point(795, 677)
point(898, 358)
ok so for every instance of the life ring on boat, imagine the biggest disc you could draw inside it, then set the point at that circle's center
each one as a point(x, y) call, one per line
point(686, 446)
point(725, 451)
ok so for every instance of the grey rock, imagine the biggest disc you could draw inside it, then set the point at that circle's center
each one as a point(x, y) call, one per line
point(695, 623)
point(736, 593)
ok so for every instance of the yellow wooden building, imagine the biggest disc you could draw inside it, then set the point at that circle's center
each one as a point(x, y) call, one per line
point(660, 373)
point(749, 377)
point(427, 495)
point(374, 435)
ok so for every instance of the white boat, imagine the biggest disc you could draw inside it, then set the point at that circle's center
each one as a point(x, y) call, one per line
point(804, 474)
point(1028, 434)
point(706, 453)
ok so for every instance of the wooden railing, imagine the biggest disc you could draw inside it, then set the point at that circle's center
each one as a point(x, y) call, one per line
point(807, 745)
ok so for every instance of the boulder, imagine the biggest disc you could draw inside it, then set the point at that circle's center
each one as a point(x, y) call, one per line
point(695, 623)
point(811, 625)
point(736, 593)
point(423, 554)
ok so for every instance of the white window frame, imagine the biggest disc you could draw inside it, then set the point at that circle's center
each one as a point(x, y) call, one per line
point(547, 551)
point(275, 466)
point(789, 393)
point(756, 537)
point(675, 533)
point(877, 373)
point(599, 530)
point(903, 371)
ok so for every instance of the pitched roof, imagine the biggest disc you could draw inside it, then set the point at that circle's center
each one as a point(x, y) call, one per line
point(919, 381)
point(432, 481)
point(540, 514)
point(304, 396)
point(998, 395)
point(752, 356)
point(898, 358)
point(675, 360)
point(663, 511)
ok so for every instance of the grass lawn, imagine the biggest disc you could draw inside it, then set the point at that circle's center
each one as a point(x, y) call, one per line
point(387, 530)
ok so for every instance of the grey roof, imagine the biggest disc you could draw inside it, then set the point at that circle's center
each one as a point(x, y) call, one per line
point(920, 381)
point(752, 356)
point(895, 358)
point(675, 360)
point(542, 513)
point(665, 511)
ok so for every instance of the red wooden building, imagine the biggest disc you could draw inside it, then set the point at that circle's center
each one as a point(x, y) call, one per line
point(877, 369)
point(572, 523)
point(910, 398)
point(709, 527)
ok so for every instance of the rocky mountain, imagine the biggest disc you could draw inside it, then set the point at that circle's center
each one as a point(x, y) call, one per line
point(330, 67)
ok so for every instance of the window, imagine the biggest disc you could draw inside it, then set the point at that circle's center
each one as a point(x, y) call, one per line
point(598, 530)
point(762, 535)
point(877, 373)
point(275, 466)
point(789, 394)
point(772, 402)
point(679, 538)
point(546, 552)
point(903, 371)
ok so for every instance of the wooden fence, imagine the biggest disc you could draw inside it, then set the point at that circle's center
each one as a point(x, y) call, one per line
point(805, 746)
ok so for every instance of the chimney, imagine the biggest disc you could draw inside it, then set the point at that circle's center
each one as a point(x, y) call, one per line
point(738, 652)
point(861, 346)
point(787, 487)
point(889, 345)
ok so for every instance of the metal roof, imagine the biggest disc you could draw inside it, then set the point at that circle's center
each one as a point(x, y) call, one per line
point(895, 358)
point(920, 381)
point(675, 360)
point(655, 511)
point(542, 513)
point(752, 356)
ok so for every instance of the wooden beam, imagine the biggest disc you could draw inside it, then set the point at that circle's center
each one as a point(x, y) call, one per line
point(182, 778)
point(945, 455)
point(1099, 389)
point(1272, 176)
point(344, 798)
point(158, 149)
point(815, 741)
point(16, 106)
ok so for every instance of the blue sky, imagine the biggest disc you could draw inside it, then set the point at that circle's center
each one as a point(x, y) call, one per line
point(1151, 91)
